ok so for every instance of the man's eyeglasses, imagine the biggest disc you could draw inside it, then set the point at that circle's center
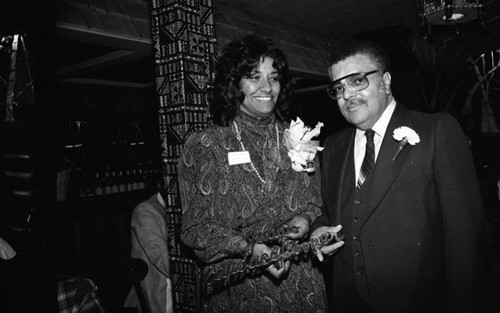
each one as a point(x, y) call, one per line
point(356, 81)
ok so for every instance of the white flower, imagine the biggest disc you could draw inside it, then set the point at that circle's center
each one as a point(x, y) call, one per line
point(405, 135)
point(301, 149)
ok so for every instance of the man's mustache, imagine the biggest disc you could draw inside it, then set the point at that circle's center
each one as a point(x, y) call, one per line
point(354, 102)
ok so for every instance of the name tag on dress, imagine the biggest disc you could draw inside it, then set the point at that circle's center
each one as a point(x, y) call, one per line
point(238, 157)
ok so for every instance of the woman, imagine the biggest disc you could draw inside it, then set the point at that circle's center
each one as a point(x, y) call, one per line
point(240, 193)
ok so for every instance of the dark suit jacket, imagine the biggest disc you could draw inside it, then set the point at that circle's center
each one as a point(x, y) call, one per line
point(414, 230)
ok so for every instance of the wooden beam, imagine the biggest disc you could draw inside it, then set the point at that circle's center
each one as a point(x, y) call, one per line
point(102, 82)
point(143, 46)
point(108, 59)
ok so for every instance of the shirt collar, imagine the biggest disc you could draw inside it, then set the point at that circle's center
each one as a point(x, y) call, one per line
point(381, 125)
point(160, 199)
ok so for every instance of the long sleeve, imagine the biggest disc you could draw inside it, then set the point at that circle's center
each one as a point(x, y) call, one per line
point(149, 243)
point(461, 209)
point(206, 225)
point(330, 169)
point(222, 202)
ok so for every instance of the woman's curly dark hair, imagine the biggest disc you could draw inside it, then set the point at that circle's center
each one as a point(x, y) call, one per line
point(237, 61)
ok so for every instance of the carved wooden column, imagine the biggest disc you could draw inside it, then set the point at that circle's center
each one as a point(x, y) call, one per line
point(184, 40)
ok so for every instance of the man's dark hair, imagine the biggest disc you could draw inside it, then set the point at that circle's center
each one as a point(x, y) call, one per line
point(356, 46)
point(237, 61)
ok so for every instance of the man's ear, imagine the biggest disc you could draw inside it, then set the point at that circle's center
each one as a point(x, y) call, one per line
point(387, 82)
point(329, 70)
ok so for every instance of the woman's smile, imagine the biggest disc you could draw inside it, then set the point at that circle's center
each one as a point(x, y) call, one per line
point(261, 89)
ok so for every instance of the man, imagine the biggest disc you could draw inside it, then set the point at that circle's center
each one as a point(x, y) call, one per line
point(413, 220)
point(149, 243)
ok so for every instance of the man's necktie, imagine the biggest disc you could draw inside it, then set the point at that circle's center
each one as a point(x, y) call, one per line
point(369, 159)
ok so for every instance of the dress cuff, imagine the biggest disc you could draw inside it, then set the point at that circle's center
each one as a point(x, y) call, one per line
point(310, 216)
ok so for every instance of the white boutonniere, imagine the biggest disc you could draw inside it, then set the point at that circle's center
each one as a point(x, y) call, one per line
point(301, 148)
point(405, 135)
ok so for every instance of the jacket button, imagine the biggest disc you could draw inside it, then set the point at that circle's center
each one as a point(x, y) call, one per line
point(354, 237)
point(356, 254)
point(355, 219)
point(360, 272)
point(357, 202)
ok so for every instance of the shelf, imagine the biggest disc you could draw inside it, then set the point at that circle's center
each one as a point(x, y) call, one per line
point(97, 205)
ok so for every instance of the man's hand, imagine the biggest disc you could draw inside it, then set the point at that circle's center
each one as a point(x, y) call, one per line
point(333, 246)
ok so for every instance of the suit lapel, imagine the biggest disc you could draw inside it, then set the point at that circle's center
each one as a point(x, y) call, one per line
point(342, 172)
point(387, 167)
point(347, 172)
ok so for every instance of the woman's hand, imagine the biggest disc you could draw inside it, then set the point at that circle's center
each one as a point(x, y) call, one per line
point(301, 222)
point(276, 270)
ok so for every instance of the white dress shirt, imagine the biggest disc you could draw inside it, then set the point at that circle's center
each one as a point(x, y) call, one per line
point(360, 139)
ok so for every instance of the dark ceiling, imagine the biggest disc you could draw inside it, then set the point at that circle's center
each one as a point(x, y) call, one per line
point(108, 42)
point(332, 19)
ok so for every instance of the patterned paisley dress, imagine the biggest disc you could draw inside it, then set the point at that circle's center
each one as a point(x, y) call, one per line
point(222, 202)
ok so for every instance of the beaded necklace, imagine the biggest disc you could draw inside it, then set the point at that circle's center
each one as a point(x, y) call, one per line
point(238, 136)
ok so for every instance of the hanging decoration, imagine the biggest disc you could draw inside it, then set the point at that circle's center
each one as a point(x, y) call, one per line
point(451, 12)
point(453, 34)
point(17, 85)
point(484, 67)
point(446, 20)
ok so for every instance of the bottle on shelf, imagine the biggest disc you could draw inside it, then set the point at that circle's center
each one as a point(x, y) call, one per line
point(142, 180)
point(135, 180)
point(114, 183)
point(129, 176)
point(99, 190)
point(122, 184)
point(107, 183)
